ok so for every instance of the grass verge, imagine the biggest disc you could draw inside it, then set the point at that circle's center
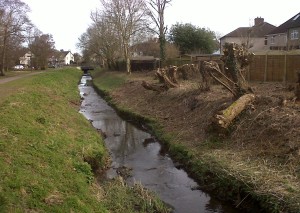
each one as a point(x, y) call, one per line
point(44, 142)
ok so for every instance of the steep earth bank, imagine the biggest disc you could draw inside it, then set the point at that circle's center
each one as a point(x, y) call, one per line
point(255, 162)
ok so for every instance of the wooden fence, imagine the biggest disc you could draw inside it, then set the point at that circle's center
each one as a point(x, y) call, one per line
point(278, 68)
point(272, 67)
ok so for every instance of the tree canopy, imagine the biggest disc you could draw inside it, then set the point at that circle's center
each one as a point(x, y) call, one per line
point(14, 23)
point(192, 39)
point(128, 18)
point(42, 47)
point(100, 43)
point(157, 14)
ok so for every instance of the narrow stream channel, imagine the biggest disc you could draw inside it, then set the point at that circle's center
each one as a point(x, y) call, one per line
point(138, 152)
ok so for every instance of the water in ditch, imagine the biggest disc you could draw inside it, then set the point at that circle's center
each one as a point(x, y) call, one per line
point(137, 152)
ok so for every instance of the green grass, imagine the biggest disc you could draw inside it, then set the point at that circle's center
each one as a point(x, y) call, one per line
point(108, 80)
point(137, 197)
point(44, 142)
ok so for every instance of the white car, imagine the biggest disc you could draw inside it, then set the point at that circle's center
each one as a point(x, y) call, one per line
point(19, 67)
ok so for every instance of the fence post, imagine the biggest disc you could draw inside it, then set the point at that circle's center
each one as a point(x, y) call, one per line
point(284, 69)
point(266, 67)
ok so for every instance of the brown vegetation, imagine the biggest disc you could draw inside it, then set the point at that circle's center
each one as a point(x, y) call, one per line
point(262, 146)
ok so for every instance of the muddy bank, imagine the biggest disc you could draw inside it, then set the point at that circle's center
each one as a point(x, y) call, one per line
point(247, 166)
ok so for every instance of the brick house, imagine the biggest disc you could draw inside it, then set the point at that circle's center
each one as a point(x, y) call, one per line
point(253, 37)
point(286, 35)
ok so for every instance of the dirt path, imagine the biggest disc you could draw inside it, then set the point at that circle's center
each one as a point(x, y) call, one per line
point(5, 80)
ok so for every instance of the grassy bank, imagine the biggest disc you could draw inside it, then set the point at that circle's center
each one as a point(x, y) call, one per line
point(231, 170)
point(44, 146)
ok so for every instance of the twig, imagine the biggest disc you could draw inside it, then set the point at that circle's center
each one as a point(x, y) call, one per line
point(242, 200)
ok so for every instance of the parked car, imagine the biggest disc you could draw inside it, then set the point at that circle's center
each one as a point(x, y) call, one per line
point(18, 67)
point(52, 66)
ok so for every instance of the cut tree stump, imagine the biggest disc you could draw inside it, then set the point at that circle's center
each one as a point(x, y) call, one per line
point(168, 77)
point(224, 118)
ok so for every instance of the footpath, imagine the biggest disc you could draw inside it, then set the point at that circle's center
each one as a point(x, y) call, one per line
point(5, 80)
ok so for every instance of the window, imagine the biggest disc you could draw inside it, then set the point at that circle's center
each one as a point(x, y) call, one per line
point(272, 40)
point(294, 34)
point(266, 41)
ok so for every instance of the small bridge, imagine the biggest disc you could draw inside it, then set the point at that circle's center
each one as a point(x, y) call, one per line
point(85, 69)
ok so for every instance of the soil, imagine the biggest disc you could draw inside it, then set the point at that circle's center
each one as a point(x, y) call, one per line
point(261, 148)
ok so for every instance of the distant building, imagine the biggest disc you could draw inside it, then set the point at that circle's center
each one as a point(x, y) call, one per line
point(286, 35)
point(66, 58)
point(26, 59)
point(253, 37)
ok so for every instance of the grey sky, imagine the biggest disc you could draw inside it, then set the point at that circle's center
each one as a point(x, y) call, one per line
point(66, 20)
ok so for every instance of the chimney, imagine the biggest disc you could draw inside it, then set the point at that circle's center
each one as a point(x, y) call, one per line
point(258, 20)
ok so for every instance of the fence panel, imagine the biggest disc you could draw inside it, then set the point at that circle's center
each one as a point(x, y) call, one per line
point(293, 65)
point(278, 68)
point(257, 68)
point(281, 67)
point(275, 68)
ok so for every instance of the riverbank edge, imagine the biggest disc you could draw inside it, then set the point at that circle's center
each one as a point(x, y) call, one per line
point(209, 173)
point(48, 150)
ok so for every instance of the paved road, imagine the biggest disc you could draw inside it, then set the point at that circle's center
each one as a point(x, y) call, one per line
point(5, 80)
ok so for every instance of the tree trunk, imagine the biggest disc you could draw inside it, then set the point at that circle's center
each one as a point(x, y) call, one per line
point(224, 118)
point(162, 45)
point(3, 54)
point(127, 59)
point(236, 58)
point(128, 67)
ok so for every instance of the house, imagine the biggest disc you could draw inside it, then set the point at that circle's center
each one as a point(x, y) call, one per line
point(286, 35)
point(26, 59)
point(66, 58)
point(253, 37)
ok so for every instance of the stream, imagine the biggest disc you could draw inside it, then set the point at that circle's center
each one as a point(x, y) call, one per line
point(137, 153)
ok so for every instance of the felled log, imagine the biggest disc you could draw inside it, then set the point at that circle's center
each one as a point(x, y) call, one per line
point(224, 118)
point(153, 87)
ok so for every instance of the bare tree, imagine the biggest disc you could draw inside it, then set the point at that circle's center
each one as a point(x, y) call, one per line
point(42, 47)
point(104, 40)
point(151, 48)
point(157, 14)
point(13, 22)
point(128, 18)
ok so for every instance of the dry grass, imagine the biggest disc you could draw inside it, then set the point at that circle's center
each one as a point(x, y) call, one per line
point(262, 147)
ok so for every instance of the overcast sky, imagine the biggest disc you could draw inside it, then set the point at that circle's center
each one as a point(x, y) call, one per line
point(66, 20)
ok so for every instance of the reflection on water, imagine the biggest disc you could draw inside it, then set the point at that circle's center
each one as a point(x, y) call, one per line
point(137, 150)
